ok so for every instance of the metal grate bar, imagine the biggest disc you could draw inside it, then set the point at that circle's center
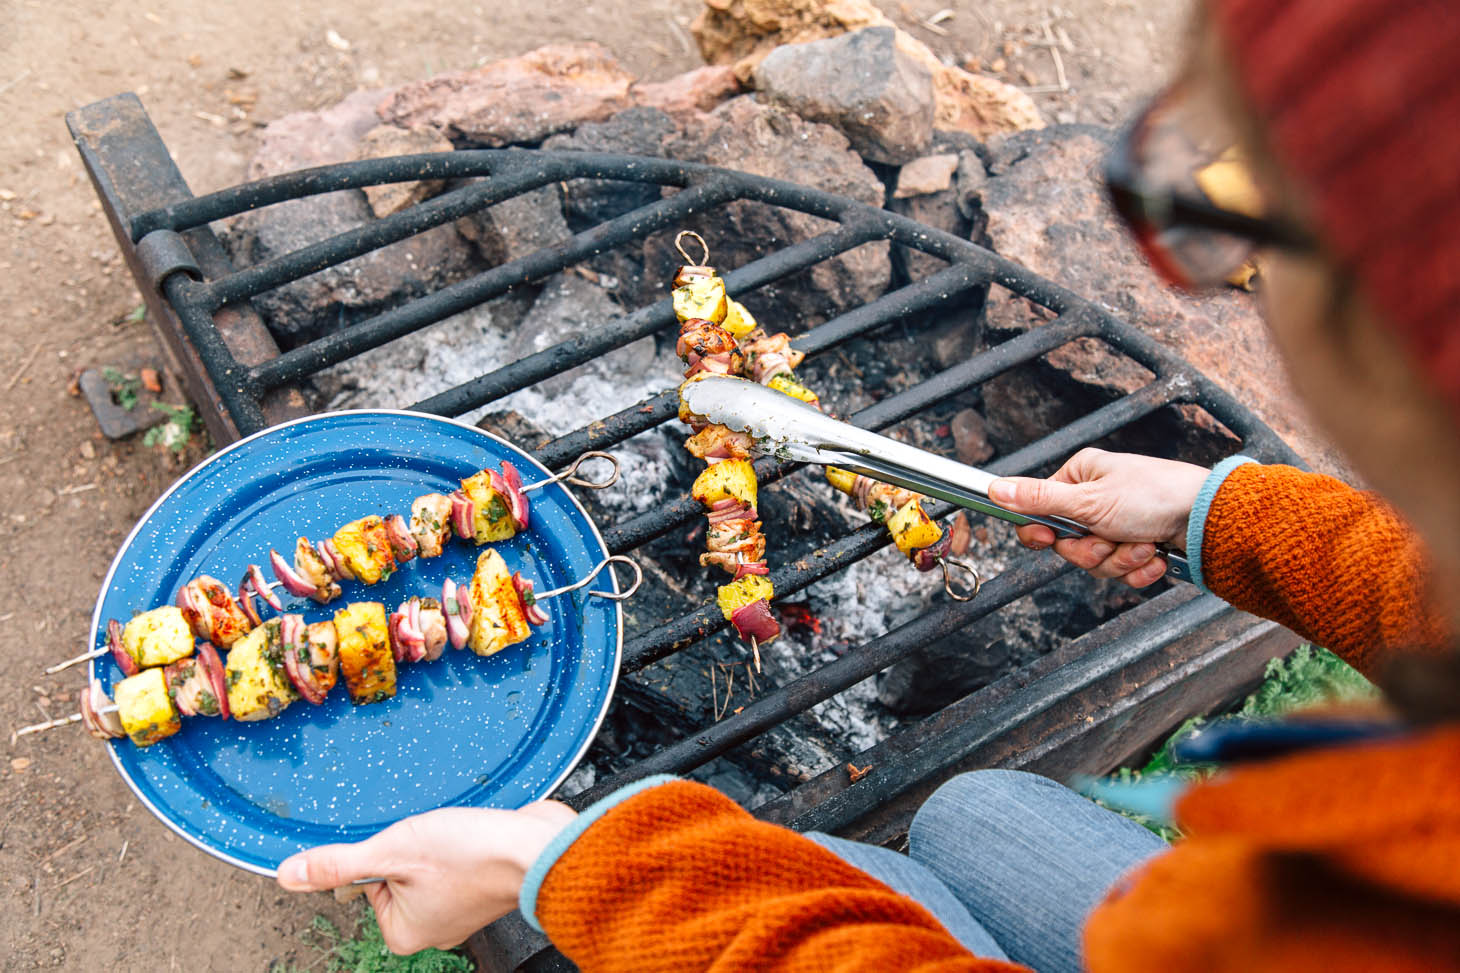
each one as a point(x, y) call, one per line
point(1026, 575)
point(650, 412)
point(374, 235)
point(559, 358)
point(466, 294)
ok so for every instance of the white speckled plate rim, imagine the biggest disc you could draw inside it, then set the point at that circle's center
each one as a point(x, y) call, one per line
point(142, 521)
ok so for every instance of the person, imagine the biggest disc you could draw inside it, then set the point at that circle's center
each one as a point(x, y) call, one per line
point(1343, 857)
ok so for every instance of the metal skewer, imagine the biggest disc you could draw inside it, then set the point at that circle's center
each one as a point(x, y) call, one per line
point(94, 654)
point(570, 474)
point(638, 580)
point(62, 721)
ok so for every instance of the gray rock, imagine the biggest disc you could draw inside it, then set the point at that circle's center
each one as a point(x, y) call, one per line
point(952, 209)
point(516, 227)
point(388, 140)
point(570, 305)
point(637, 131)
point(864, 84)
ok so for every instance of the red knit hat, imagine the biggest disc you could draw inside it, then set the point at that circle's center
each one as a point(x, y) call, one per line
point(1360, 101)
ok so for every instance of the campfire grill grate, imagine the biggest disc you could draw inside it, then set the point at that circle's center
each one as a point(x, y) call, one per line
point(1171, 656)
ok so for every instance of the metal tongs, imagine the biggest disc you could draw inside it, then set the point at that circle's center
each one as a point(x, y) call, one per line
point(792, 430)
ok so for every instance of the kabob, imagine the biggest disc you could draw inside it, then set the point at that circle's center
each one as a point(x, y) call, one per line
point(285, 659)
point(490, 506)
point(711, 325)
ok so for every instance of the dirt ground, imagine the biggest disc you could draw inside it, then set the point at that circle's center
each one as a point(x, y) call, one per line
point(91, 881)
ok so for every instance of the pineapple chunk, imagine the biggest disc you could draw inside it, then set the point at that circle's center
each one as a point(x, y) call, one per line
point(701, 297)
point(787, 385)
point(732, 478)
point(685, 415)
point(912, 529)
point(158, 637)
point(496, 608)
point(843, 480)
point(258, 687)
point(147, 712)
point(738, 321)
point(493, 519)
point(747, 591)
point(366, 662)
point(365, 546)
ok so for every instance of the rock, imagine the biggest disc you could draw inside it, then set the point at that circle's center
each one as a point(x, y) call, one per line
point(1045, 210)
point(700, 90)
point(315, 138)
point(976, 104)
point(970, 438)
point(383, 141)
point(635, 131)
point(765, 140)
point(743, 32)
point(516, 227)
point(950, 209)
point(516, 428)
point(519, 100)
point(570, 305)
point(930, 174)
point(862, 84)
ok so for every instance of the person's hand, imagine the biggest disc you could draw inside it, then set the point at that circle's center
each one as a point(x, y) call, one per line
point(447, 873)
point(1130, 503)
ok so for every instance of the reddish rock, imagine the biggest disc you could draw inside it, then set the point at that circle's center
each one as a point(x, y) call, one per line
point(970, 438)
point(315, 138)
point(768, 141)
point(976, 104)
point(861, 84)
point(700, 90)
point(1045, 209)
point(523, 99)
point(930, 174)
point(384, 141)
point(743, 32)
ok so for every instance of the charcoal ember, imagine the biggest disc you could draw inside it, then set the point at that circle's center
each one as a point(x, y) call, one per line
point(1044, 209)
point(700, 90)
point(515, 101)
point(518, 226)
point(769, 141)
point(863, 85)
point(948, 669)
point(384, 141)
point(743, 32)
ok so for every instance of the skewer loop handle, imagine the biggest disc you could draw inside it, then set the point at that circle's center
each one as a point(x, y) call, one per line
point(570, 474)
point(944, 562)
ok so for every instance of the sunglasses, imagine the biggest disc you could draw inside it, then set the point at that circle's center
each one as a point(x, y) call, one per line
point(1178, 180)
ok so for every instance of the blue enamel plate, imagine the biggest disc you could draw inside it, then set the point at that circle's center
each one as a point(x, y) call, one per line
point(500, 731)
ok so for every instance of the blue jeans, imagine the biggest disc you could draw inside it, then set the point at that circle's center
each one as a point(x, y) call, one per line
point(1010, 862)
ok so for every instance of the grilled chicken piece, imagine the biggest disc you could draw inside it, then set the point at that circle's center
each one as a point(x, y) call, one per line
point(212, 612)
point(324, 659)
point(736, 537)
point(492, 520)
point(431, 523)
point(158, 637)
point(258, 686)
point(366, 662)
point(365, 546)
point(769, 356)
point(146, 710)
point(497, 619)
point(716, 442)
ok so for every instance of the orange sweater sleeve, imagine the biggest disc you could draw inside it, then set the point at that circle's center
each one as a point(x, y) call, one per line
point(1334, 564)
point(678, 877)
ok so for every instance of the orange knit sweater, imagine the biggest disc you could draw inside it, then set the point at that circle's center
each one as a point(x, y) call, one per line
point(1331, 860)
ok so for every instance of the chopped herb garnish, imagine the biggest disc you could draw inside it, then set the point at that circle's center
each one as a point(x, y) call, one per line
point(528, 598)
point(207, 703)
point(496, 510)
point(233, 677)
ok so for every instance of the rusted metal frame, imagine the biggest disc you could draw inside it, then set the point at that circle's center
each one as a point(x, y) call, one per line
point(132, 171)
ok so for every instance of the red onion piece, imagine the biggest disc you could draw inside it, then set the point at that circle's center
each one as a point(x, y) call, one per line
point(292, 639)
point(176, 676)
point(402, 544)
point(463, 516)
point(213, 669)
point(292, 581)
point(515, 495)
point(103, 726)
point(457, 630)
point(245, 601)
point(339, 567)
point(927, 559)
point(125, 662)
point(750, 567)
point(530, 611)
point(397, 648)
point(263, 589)
point(196, 610)
point(463, 601)
point(755, 621)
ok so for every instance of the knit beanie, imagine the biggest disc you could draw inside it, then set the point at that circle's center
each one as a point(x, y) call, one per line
point(1360, 103)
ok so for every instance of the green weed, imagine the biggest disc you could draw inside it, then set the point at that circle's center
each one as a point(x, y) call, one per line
point(176, 431)
point(366, 952)
point(124, 388)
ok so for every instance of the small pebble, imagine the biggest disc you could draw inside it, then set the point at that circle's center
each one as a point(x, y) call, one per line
point(19, 764)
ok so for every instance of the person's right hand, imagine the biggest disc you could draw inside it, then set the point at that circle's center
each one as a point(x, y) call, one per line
point(1130, 503)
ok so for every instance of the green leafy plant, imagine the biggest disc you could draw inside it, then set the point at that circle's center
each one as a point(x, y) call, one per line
point(366, 952)
point(124, 388)
point(176, 432)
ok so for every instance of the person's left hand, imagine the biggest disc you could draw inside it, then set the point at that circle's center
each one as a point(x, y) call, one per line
point(447, 873)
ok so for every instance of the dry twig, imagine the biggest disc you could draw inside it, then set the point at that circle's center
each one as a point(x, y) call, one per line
point(24, 367)
point(81, 874)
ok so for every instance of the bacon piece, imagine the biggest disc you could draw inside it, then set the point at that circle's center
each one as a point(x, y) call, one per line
point(717, 442)
point(767, 357)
